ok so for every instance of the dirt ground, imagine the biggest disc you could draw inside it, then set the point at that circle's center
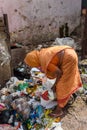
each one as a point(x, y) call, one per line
point(76, 118)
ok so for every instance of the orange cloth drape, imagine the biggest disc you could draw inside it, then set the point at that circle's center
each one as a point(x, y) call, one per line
point(70, 80)
point(47, 60)
point(32, 59)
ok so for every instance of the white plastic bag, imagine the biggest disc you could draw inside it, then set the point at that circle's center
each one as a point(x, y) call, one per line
point(4, 55)
point(48, 83)
point(65, 41)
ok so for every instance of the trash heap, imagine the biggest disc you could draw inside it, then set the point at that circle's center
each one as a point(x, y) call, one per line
point(26, 104)
point(27, 100)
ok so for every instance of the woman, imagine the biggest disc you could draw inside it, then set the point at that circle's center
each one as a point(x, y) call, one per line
point(60, 62)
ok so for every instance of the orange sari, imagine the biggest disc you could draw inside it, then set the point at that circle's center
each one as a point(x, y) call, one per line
point(48, 61)
point(70, 80)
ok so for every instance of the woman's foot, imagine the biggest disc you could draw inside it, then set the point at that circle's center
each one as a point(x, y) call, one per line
point(58, 112)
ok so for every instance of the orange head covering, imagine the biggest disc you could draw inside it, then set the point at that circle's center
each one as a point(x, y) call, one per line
point(32, 59)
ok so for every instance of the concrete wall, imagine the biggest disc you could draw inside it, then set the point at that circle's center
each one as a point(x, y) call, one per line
point(32, 21)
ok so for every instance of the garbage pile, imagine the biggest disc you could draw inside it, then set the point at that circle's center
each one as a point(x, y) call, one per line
point(22, 71)
point(26, 104)
point(27, 100)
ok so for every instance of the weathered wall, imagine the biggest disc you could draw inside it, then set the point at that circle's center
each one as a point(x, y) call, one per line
point(36, 20)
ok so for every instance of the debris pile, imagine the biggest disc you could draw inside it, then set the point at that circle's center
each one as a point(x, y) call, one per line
point(26, 104)
point(27, 100)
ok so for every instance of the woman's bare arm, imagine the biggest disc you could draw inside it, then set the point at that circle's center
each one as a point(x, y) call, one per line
point(58, 76)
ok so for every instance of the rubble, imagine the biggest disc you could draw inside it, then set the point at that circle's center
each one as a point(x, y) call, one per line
point(23, 100)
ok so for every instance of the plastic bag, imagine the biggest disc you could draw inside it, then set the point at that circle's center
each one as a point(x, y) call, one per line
point(55, 126)
point(65, 41)
point(21, 105)
point(4, 55)
point(48, 83)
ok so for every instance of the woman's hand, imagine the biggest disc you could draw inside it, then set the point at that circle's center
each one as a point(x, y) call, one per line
point(59, 74)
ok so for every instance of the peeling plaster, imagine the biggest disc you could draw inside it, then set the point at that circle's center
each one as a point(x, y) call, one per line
point(40, 19)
